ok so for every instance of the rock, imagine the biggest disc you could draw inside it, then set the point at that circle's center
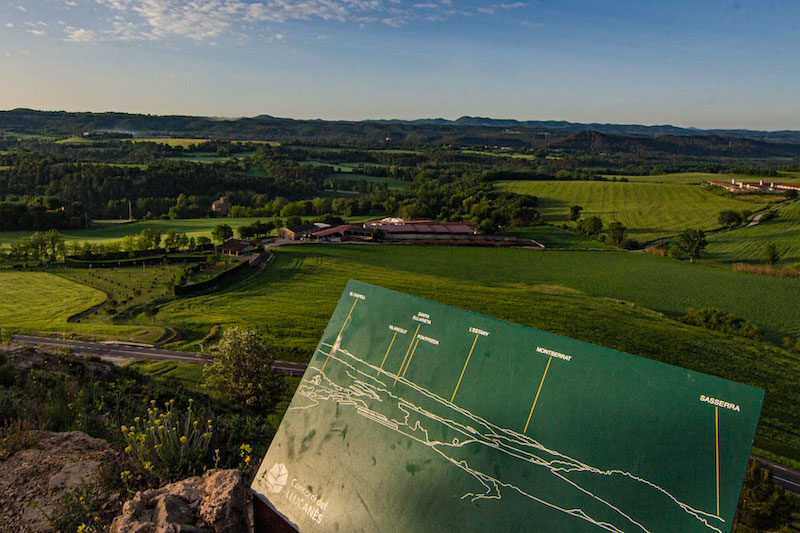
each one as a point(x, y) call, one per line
point(75, 474)
point(33, 481)
point(217, 502)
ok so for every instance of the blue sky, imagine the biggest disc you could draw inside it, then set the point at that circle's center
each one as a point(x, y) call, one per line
point(720, 63)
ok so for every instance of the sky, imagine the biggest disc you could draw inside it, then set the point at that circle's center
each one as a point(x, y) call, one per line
point(698, 63)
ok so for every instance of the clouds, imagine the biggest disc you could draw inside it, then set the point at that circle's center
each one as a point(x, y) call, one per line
point(80, 35)
point(202, 20)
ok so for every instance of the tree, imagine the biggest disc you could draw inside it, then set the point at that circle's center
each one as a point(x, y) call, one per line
point(771, 255)
point(590, 225)
point(241, 368)
point(55, 244)
point(729, 218)
point(692, 242)
point(222, 232)
point(245, 232)
point(617, 232)
point(575, 212)
point(203, 241)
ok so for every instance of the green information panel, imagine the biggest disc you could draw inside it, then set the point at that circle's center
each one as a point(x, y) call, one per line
point(415, 416)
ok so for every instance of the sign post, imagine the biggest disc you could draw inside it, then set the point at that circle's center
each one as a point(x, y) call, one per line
point(416, 416)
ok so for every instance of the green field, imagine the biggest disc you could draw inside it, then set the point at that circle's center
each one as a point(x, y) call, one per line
point(649, 211)
point(193, 227)
point(169, 141)
point(658, 283)
point(556, 238)
point(746, 244)
point(42, 302)
point(530, 157)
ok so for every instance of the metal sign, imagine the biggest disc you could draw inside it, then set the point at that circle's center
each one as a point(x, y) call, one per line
point(417, 416)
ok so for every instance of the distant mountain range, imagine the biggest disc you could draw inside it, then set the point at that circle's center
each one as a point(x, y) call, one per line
point(789, 136)
point(635, 140)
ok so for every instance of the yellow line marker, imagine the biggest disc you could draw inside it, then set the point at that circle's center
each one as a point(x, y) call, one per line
point(387, 353)
point(411, 357)
point(406, 355)
point(536, 399)
point(464, 369)
point(341, 330)
point(716, 425)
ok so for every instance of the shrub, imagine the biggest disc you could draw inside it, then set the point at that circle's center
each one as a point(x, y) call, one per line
point(241, 369)
point(168, 444)
point(721, 321)
point(78, 510)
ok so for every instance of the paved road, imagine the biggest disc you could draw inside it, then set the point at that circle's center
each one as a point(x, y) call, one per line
point(783, 476)
point(113, 350)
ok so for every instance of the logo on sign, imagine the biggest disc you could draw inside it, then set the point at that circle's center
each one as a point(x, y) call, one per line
point(277, 478)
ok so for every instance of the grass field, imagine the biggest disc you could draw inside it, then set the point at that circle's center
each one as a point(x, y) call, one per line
point(193, 227)
point(126, 287)
point(501, 154)
point(291, 303)
point(649, 211)
point(746, 244)
point(170, 142)
point(42, 302)
point(557, 238)
point(658, 283)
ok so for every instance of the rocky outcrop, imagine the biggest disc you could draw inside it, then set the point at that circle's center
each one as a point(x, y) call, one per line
point(217, 502)
point(33, 481)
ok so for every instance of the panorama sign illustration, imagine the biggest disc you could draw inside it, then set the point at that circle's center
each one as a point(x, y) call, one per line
point(417, 416)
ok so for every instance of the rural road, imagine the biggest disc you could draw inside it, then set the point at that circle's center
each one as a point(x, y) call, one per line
point(782, 476)
point(112, 350)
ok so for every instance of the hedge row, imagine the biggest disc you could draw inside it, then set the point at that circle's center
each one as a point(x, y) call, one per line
point(181, 290)
point(76, 262)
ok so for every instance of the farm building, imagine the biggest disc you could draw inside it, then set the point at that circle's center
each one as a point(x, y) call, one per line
point(222, 206)
point(761, 185)
point(301, 232)
point(418, 232)
point(235, 247)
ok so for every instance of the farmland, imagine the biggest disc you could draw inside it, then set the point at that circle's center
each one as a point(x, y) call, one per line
point(42, 302)
point(658, 283)
point(649, 210)
point(746, 244)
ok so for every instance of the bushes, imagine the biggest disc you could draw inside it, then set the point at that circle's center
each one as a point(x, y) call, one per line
point(168, 444)
point(721, 321)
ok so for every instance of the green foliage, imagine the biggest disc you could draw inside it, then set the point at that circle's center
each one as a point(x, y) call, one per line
point(241, 368)
point(617, 232)
point(79, 511)
point(222, 232)
point(692, 242)
point(722, 321)
point(763, 506)
point(590, 226)
point(6, 335)
point(649, 210)
point(771, 255)
point(575, 212)
point(167, 443)
point(729, 218)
